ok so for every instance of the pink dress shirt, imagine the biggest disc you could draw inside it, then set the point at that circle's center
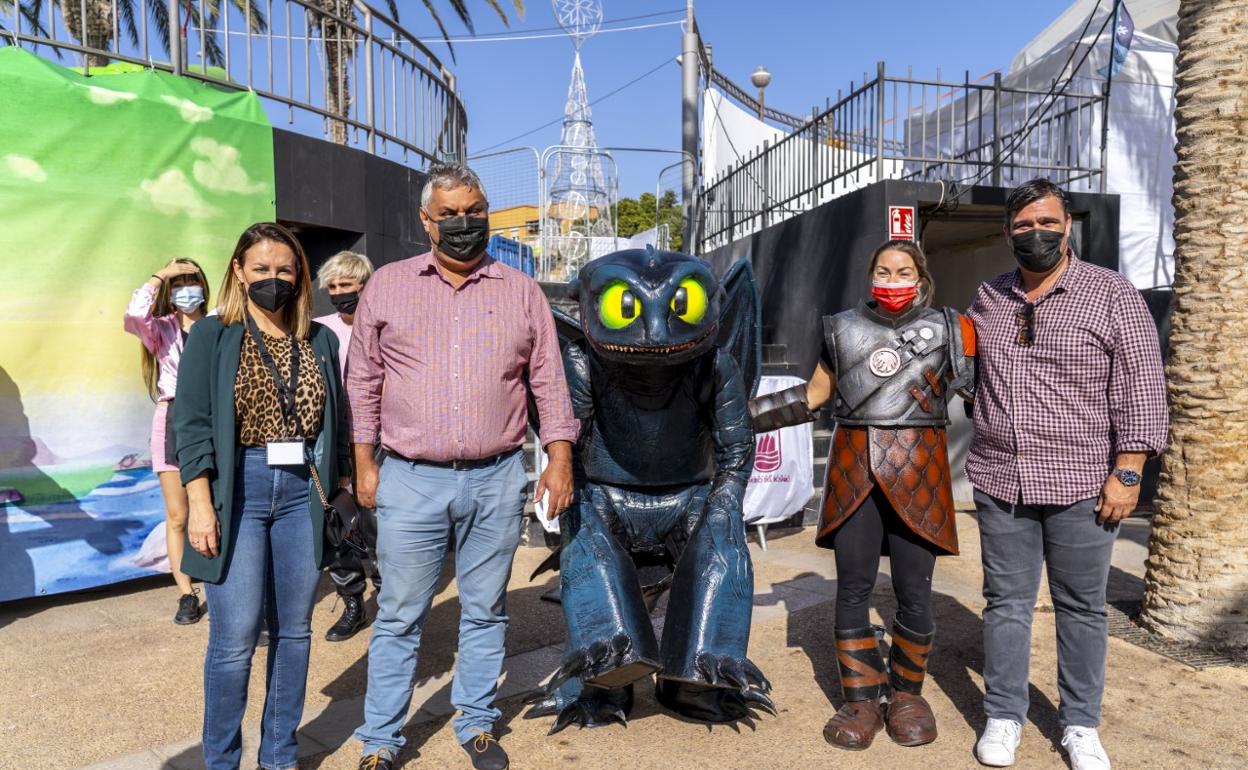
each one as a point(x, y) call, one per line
point(438, 373)
point(161, 336)
point(342, 331)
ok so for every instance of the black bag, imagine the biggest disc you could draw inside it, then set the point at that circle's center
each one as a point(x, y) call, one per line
point(342, 518)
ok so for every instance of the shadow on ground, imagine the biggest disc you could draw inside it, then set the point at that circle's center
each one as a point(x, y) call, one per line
point(334, 727)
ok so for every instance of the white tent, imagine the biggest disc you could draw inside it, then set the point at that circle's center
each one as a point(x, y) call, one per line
point(1155, 18)
point(1140, 155)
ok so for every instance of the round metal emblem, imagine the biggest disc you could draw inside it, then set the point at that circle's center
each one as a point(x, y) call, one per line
point(885, 362)
point(926, 333)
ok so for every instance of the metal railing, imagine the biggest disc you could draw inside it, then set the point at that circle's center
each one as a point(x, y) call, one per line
point(338, 67)
point(909, 128)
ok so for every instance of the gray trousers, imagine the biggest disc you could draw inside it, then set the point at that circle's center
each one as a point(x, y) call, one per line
point(1016, 541)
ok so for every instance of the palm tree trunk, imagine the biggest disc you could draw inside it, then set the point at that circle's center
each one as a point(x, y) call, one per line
point(1196, 588)
point(98, 31)
point(339, 41)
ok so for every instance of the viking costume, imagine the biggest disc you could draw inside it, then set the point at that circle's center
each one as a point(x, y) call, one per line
point(888, 491)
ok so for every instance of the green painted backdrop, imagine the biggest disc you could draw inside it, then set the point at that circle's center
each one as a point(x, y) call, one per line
point(103, 180)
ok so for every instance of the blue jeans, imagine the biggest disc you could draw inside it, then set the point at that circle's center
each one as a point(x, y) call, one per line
point(419, 508)
point(271, 577)
point(1016, 540)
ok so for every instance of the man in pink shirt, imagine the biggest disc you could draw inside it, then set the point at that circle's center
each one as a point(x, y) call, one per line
point(446, 348)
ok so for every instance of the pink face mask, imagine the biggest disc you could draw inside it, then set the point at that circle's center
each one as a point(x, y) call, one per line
point(894, 297)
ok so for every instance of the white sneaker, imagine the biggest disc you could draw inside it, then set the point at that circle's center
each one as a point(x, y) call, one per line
point(1084, 748)
point(996, 746)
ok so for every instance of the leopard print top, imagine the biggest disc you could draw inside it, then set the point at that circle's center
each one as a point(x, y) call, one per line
point(258, 412)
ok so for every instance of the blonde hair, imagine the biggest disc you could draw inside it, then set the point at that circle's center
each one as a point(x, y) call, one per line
point(345, 264)
point(233, 302)
point(927, 286)
point(163, 306)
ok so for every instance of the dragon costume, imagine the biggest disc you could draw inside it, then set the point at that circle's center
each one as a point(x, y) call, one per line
point(660, 367)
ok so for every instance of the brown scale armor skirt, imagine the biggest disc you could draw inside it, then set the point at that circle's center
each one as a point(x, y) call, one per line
point(910, 465)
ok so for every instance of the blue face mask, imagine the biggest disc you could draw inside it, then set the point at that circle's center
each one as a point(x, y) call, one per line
point(187, 298)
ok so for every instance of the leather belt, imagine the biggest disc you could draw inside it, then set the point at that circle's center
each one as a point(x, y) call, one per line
point(457, 465)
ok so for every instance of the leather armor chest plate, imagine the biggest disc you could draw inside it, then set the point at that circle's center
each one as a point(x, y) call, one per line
point(890, 373)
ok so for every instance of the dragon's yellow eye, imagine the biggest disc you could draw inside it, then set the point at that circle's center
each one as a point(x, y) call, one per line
point(689, 302)
point(618, 307)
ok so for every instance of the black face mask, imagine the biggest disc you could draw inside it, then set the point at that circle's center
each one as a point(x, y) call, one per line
point(1038, 250)
point(345, 303)
point(463, 238)
point(272, 294)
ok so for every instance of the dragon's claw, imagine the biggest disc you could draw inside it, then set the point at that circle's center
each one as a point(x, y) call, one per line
point(727, 689)
point(595, 707)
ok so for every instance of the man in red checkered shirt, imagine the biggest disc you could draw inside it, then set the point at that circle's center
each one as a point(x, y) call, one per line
point(1069, 402)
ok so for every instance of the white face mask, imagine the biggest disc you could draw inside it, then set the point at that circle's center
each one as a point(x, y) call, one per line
point(187, 298)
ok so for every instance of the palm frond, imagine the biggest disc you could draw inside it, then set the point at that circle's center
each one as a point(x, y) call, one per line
point(126, 9)
point(498, 8)
point(460, 7)
point(437, 19)
point(256, 22)
point(31, 12)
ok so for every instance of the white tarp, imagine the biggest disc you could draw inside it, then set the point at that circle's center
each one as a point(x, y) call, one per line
point(784, 466)
point(1140, 155)
point(1140, 147)
point(1155, 18)
point(731, 136)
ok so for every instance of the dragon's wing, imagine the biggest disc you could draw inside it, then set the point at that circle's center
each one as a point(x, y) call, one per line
point(740, 322)
point(567, 325)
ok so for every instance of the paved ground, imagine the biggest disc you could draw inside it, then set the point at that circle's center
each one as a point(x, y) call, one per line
point(105, 679)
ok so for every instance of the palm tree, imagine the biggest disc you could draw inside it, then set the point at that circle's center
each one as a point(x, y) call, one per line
point(340, 43)
point(1196, 587)
point(95, 31)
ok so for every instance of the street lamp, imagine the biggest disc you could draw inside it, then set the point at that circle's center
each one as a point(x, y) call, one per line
point(760, 77)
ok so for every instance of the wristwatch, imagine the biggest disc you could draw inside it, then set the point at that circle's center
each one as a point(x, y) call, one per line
point(1128, 477)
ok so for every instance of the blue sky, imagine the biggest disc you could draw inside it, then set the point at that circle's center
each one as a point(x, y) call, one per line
point(812, 48)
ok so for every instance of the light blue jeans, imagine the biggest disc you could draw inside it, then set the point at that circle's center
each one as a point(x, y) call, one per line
point(1016, 541)
point(271, 579)
point(419, 509)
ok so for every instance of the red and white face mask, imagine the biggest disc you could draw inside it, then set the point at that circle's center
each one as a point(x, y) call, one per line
point(894, 297)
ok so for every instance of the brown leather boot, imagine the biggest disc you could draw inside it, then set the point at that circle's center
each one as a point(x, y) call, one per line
point(910, 719)
point(862, 682)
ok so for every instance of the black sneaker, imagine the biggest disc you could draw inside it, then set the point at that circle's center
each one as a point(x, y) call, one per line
point(188, 610)
point(485, 752)
point(353, 619)
point(382, 759)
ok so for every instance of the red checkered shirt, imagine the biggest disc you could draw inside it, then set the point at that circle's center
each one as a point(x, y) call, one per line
point(1051, 417)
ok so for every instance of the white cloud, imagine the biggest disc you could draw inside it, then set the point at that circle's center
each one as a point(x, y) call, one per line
point(220, 170)
point(190, 111)
point(108, 96)
point(172, 193)
point(25, 168)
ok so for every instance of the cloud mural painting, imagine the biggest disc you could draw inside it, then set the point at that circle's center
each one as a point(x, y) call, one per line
point(25, 168)
point(219, 169)
point(172, 193)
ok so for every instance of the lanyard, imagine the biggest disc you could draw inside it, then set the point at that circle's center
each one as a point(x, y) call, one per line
point(285, 390)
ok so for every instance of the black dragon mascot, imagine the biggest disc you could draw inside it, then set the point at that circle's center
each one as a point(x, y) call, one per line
point(660, 366)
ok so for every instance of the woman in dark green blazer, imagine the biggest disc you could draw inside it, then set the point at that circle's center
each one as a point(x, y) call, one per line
point(259, 393)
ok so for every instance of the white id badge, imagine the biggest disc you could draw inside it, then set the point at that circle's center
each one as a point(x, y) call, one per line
point(286, 451)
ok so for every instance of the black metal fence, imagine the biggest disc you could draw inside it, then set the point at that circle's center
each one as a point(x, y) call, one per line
point(909, 128)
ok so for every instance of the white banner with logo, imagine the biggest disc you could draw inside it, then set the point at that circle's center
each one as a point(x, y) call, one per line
point(784, 467)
